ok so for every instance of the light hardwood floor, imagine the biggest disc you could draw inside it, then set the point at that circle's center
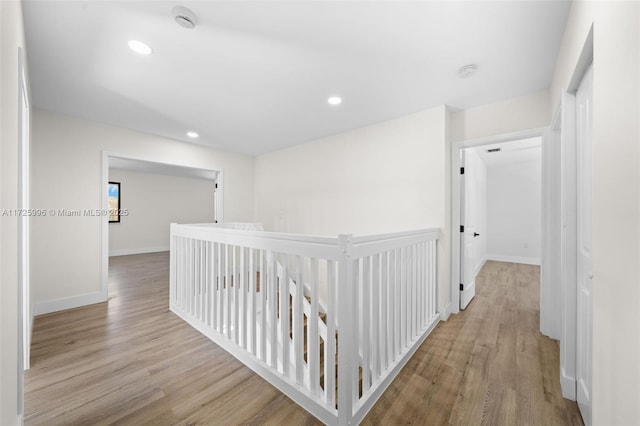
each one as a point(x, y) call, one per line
point(131, 361)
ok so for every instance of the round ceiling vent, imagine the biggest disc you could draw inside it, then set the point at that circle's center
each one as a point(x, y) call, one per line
point(184, 17)
point(467, 70)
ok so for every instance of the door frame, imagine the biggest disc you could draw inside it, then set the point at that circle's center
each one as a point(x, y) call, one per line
point(104, 184)
point(569, 221)
point(455, 199)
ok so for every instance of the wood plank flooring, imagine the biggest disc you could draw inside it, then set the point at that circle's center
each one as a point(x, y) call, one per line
point(131, 361)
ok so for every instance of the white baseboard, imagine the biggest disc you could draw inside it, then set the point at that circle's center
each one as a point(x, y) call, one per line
point(480, 265)
point(514, 259)
point(567, 386)
point(40, 308)
point(126, 252)
point(445, 312)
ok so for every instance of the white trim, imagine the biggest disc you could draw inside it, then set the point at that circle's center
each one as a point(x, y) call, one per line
point(568, 243)
point(480, 265)
point(126, 252)
point(41, 308)
point(455, 200)
point(445, 312)
point(514, 259)
point(567, 385)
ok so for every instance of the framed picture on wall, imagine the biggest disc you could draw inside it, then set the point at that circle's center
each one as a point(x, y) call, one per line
point(114, 202)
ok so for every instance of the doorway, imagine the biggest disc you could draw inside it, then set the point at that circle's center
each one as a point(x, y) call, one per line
point(146, 188)
point(493, 211)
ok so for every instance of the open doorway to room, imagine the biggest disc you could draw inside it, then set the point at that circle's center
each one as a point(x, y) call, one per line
point(500, 207)
point(151, 196)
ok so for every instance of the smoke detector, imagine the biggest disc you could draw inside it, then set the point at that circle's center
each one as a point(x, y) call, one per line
point(184, 17)
point(467, 70)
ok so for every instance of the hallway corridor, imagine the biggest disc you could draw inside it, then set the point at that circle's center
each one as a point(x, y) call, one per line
point(131, 361)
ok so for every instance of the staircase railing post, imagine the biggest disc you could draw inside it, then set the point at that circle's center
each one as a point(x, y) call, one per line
point(172, 265)
point(346, 320)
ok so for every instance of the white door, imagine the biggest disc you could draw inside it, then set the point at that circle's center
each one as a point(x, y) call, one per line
point(584, 125)
point(468, 233)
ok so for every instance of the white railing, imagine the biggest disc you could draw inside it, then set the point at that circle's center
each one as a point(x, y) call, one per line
point(277, 303)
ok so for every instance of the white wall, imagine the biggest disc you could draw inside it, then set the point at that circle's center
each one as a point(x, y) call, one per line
point(153, 201)
point(66, 173)
point(11, 38)
point(387, 177)
point(511, 115)
point(514, 212)
point(616, 197)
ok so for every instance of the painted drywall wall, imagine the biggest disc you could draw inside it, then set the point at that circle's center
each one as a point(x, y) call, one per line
point(11, 38)
point(387, 177)
point(511, 115)
point(153, 201)
point(514, 212)
point(616, 197)
point(67, 174)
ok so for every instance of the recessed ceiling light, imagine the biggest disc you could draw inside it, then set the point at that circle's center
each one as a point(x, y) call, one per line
point(334, 100)
point(140, 47)
point(467, 70)
point(192, 135)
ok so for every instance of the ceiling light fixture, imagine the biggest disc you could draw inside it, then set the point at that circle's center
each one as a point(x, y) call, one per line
point(140, 47)
point(334, 100)
point(192, 135)
point(467, 70)
point(184, 17)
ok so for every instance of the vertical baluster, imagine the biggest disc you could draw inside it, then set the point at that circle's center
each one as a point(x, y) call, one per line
point(392, 306)
point(423, 287)
point(366, 323)
point(244, 295)
point(330, 344)
point(213, 286)
point(298, 323)
point(251, 329)
point(227, 291)
point(201, 279)
point(414, 296)
point(190, 275)
point(273, 314)
point(358, 327)
point(434, 278)
point(236, 296)
point(384, 321)
point(179, 264)
point(398, 306)
point(263, 306)
point(418, 288)
point(375, 314)
point(284, 314)
point(220, 290)
point(196, 278)
point(207, 284)
point(312, 345)
point(404, 289)
point(185, 287)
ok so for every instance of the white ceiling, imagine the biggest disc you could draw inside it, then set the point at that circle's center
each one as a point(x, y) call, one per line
point(160, 168)
point(254, 77)
point(511, 152)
